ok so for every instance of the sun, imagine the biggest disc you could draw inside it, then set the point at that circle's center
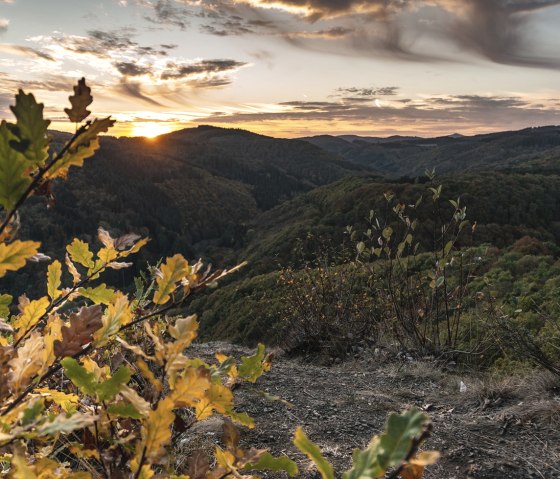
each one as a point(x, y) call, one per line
point(150, 129)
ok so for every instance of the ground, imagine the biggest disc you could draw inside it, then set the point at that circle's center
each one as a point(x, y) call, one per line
point(490, 428)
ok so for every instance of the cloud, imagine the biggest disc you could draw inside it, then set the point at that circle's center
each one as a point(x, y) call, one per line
point(438, 113)
point(12, 49)
point(203, 67)
point(502, 31)
point(4, 24)
point(166, 12)
point(131, 69)
point(369, 92)
point(134, 90)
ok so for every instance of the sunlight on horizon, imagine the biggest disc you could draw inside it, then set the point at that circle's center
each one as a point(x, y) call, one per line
point(150, 129)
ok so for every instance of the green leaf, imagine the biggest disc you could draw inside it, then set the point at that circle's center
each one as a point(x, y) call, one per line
point(80, 253)
point(88, 384)
point(32, 127)
point(253, 367)
point(80, 377)
point(267, 462)
point(33, 412)
point(391, 448)
point(387, 233)
point(99, 295)
point(109, 389)
point(13, 177)
point(5, 301)
point(302, 442)
point(123, 409)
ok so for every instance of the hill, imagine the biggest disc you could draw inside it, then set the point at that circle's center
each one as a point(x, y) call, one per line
point(408, 156)
point(187, 190)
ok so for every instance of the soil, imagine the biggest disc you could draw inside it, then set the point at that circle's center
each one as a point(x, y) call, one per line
point(488, 429)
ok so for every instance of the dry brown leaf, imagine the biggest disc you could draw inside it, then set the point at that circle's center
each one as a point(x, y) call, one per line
point(80, 100)
point(79, 332)
point(198, 465)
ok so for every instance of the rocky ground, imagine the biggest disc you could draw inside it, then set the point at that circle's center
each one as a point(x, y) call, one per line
point(488, 429)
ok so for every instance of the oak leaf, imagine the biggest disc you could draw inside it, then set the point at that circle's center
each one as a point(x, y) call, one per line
point(80, 100)
point(172, 271)
point(79, 332)
point(13, 255)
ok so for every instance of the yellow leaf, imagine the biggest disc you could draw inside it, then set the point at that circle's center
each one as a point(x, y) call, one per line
point(191, 388)
point(100, 373)
point(184, 331)
point(107, 254)
point(14, 255)
point(172, 271)
point(135, 248)
point(156, 430)
point(66, 401)
point(415, 468)
point(31, 314)
point(149, 375)
point(72, 270)
point(54, 276)
point(52, 333)
point(27, 363)
point(22, 470)
point(145, 473)
point(118, 314)
point(82, 148)
point(139, 403)
point(80, 253)
point(218, 398)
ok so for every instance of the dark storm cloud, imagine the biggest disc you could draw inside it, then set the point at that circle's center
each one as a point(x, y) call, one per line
point(501, 32)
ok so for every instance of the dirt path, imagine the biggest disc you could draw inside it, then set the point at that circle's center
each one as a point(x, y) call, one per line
point(501, 430)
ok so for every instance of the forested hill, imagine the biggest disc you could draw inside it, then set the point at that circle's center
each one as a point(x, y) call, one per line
point(529, 149)
point(186, 190)
point(230, 194)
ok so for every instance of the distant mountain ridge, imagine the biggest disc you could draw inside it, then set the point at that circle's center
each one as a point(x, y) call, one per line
point(410, 156)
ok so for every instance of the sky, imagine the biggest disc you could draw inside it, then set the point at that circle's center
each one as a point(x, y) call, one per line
point(289, 68)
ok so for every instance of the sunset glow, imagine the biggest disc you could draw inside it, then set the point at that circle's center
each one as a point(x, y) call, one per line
point(290, 68)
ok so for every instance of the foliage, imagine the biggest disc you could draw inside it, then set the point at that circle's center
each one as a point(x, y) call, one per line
point(109, 415)
point(94, 381)
point(396, 448)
